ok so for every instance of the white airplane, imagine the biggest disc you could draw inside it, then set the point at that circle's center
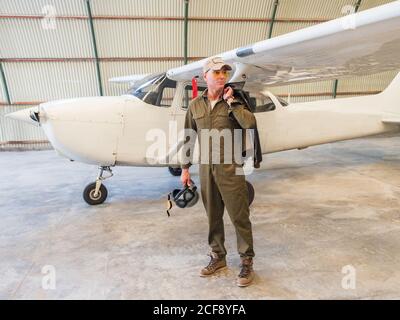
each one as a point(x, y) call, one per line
point(111, 131)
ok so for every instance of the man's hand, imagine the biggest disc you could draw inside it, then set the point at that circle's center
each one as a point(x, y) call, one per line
point(228, 94)
point(185, 177)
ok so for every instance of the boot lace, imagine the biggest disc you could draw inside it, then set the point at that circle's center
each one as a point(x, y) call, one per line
point(213, 262)
point(246, 269)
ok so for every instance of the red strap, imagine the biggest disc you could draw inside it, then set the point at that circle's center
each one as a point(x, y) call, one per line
point(194, 88)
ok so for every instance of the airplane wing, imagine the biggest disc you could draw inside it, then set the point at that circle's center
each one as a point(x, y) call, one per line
point(363, 43)
point(131, 79)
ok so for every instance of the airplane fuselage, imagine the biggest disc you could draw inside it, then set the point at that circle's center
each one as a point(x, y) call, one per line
point(119, 130)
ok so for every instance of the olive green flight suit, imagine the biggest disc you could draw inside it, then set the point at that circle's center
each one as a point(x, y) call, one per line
point(220, 185)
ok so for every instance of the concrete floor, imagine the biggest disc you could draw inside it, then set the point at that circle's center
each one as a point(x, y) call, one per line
point(315, 212)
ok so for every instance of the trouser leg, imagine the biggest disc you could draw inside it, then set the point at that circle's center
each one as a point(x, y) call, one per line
point(214, 206)
point(234, 194)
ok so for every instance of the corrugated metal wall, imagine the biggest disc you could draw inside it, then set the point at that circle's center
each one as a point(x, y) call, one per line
point(308, 9)
point(131, 38)
point(115, 68)
point(368, 4)
point(42, 81)
point(27, 39)
point(211, 37)
point(230, 8)
point(375, 82)
point(46, 59)
point(35, 7)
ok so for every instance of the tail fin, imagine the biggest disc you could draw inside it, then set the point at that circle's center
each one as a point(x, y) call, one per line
point(391, 96)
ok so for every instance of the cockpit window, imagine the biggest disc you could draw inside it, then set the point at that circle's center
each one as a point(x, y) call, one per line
point(266, 104)
point(188, 95)
point(157, 90)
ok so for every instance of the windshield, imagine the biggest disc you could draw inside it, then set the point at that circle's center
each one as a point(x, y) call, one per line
point(155, 89)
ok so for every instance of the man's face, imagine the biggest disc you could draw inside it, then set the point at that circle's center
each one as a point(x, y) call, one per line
point(216, 79)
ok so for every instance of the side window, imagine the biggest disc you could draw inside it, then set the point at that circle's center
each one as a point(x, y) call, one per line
point(167, 92)
point(188, 95)
point(264, 104)
point(167, 95)
point(259, 103)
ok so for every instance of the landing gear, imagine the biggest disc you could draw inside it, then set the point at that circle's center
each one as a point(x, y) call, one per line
point(175, 171)
point(95, 192)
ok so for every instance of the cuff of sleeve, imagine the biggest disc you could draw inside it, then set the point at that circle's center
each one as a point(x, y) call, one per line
point(233, 102)
point(186, 166)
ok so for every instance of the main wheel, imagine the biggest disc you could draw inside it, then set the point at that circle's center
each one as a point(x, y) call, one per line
point(175, 171)
point(90, 198)
point(250, 189)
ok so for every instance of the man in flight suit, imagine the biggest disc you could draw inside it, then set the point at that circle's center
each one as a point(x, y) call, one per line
point(221, 185)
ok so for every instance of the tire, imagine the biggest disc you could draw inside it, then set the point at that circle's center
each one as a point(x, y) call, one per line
point(88, 194)
point(175, 171)
point(250, 189)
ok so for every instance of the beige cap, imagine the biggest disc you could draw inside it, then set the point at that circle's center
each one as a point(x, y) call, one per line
point(215, 63)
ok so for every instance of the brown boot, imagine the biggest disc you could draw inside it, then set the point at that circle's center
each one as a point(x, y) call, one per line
point(216, 263)
point(246, 274)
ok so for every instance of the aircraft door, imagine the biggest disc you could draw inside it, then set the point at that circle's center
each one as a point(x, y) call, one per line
point(182, 98)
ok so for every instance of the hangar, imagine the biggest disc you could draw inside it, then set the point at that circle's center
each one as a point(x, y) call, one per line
point(325, 219)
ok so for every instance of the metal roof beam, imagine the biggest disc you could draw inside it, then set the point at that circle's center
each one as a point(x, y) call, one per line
point(4, 82)
point(96, 55)
point(152, 18)
point(272, 20)
point(105, 59)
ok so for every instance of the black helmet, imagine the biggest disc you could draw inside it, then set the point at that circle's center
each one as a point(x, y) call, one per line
point(186, 197)
point(183, 198)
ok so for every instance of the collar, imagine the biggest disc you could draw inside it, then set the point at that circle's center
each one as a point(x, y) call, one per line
point(204, 95)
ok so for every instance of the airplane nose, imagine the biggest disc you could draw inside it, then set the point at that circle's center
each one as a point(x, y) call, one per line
point(29, 115)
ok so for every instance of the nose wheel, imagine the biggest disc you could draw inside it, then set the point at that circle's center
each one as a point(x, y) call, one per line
point(96, 193)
